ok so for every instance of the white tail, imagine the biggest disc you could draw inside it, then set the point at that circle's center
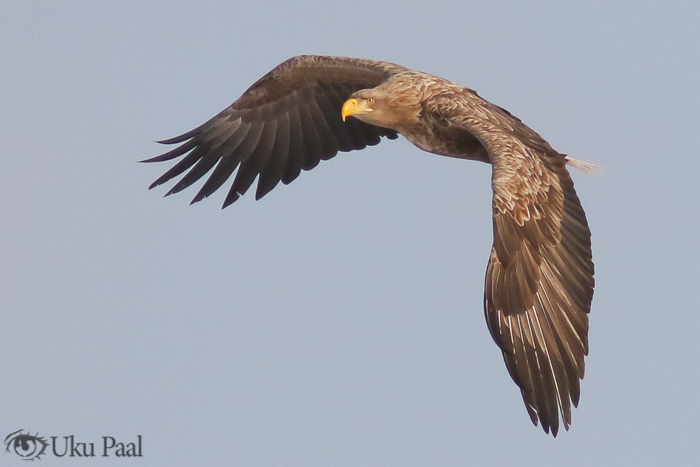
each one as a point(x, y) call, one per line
point(582, 166)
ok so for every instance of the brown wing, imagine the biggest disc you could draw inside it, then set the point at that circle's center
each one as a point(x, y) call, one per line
point(539, 281)
point(287, 121)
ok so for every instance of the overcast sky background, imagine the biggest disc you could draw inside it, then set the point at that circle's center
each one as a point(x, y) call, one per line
point(338, 321)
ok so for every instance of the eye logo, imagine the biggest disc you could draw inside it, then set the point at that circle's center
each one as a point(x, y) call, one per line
point(28, 447)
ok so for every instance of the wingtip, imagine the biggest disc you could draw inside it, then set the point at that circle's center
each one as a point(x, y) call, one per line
point(230, 199)
point(174, 190)
point(149, 160)
point(259, 194)
point(183, 137)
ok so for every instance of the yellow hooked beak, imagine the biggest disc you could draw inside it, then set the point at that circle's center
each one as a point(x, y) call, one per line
point(354, 107)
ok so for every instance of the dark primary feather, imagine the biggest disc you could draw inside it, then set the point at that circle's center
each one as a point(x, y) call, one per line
point(288, 121)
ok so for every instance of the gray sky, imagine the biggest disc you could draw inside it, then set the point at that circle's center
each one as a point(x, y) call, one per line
point(338, 321)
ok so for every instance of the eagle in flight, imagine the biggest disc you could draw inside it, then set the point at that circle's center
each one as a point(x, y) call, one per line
point(539, 279)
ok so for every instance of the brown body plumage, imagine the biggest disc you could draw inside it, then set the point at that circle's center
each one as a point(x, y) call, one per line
point(539, 280)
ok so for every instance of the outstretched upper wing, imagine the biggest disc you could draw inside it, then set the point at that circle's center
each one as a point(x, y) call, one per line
point(539, 281)
point(287, 121)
